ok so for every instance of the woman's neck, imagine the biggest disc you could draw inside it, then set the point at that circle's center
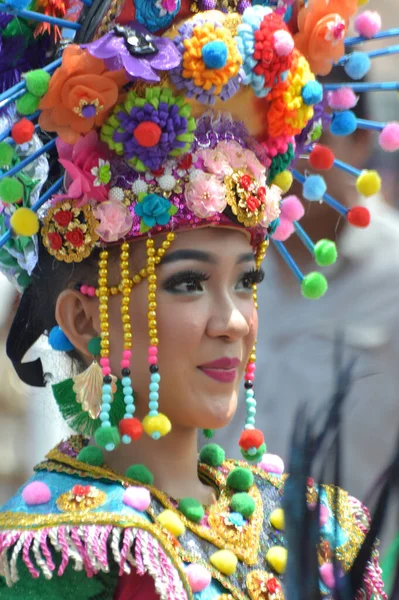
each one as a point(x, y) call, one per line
point(172, 460)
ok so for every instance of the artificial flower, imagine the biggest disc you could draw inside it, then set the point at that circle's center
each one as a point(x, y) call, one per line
point(153, 210)
point(272, 205)
point(115, 220)
point(156, 14)
point(205, 195)
point(101, 172)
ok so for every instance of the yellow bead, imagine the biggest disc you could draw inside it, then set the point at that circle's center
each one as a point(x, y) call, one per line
point(152, 288)
point(127, 327)
point(252, 358)
point(225, 561)
point(368, 183)
point(151, 314)
point(152, 297)
point(170, 237)
point(127, 336)
point(103, 290)
point(104, 335)
point(149, 242)
point(153, 333)
point(137, 279)
point(171, 522)
point(157, 260)
point(124, 255)
point(154, 341)
point(150, 270)
point(104, 343)
point(152, 306)
point(126, 318)
point(161, 251)
point(166, 245)
point(152, 324)
point(103, 318)
point(125, 301)
point(152, 279)
point(283, 181)
point(159, 423)
point(150, 260)
point(143, 273)
point(277, 519)
point(125, 274)
point(103, 299)
point(103, 272)
point(277, 559)
point(125, 310)
point(151, 252)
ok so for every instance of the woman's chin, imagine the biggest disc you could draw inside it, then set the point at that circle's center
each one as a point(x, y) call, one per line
point(218, 412)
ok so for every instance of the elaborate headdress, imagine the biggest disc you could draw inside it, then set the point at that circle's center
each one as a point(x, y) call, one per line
point(169, 116)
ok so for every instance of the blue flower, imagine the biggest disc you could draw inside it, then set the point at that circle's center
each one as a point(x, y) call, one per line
point(153, 210)
point(236, 519)
point(156, 15)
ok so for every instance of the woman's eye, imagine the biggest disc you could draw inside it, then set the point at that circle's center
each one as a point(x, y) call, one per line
point(186, 283)
point(249, 279)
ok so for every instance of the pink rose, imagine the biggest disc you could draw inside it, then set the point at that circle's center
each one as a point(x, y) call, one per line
point(115, 220)
point(205, 196)
point(215, 162)
point(272, 205)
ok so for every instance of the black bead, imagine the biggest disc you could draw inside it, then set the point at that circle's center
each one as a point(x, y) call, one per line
point(125, 372)
point(154, 369)
point(107, 379)
point(249, 385)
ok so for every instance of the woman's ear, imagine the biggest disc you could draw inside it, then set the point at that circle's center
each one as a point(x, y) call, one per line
point(76, 315)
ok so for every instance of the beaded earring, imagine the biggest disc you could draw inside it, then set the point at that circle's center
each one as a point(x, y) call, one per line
point(252, 442)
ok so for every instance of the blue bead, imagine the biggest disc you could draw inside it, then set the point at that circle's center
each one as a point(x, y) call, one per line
point(250, 402)
point(155, 377)
point(110, 447)
point(126, 381)
point(154, 387)
point(252, 451)
point(251, 410)
point(130, 408)
point(250, 421)
point(104, 416)
point(126, 439)
point(106, 424)
point(154, 396)
point(153, 413)
point(105, 407)
point(214, 55)
point(249, 393)
point(129, 400)
point(107, 389)
point(107, 398)
point(153, 405)
point(127, 391)
point(156, 435)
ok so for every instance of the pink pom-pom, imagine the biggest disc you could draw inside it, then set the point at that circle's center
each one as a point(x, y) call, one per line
point(284, 230)
point(327, 575)
point(292, 208)
point(368, 23)
point(36, 492)
point(389, 137)
point(283, 42)
point(198, 577)
point(271, 463)
point(137, 497)
point(342, 99)
point(324, 515)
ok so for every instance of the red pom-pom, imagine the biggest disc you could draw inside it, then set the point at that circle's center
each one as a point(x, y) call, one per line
point(251, 438)
point(131, 427)
point(22, 131)
point(147, 134)
point(321, 158)
point(358, 216)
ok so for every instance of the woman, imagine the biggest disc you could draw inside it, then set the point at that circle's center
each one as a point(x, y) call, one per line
point(149, 256)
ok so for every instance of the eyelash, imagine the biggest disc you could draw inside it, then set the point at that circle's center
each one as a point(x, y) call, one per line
point(250, 278)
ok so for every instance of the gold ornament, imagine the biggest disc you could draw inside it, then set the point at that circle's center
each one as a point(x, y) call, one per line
point(263, 586)
point(87, 387)
point(81, 498)
point(246, 198)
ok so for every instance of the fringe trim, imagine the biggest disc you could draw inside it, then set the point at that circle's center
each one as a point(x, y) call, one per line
point(89, 547)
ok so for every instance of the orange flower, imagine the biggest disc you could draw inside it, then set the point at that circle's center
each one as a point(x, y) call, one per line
point(321, 32)
point(81, 95)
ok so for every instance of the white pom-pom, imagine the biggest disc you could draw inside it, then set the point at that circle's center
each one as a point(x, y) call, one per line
point(116, 194)
point(139, 187)
point(167, 182)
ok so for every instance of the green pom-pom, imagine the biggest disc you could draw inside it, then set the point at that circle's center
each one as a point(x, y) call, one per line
point(208, 433)
point(24, 280)
point(325, 253)
point(11, 190)
point(212, 455)
point(254, 457)
point(27, 104)
point(140, 473)
point(37, 82)
point(6, 154)
point(314, 286)
point(107, 438)
point(94, 346)
point(191, 509)
point(240, 479)
point(243, 504)
point(91, 456)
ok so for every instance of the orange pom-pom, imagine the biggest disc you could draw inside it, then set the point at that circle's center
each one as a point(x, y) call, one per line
point(22, 131)
point(251, 438)
point(131, 427)
point(321, 158)
point(358, 216)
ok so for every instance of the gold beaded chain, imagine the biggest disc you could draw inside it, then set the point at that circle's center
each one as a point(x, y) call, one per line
point(103, 303)
point(260, 255)
point(126, 290)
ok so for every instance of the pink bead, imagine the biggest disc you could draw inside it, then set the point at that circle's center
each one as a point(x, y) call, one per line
point(106, 371)
point(198, 577)
point(36, 492)
point(125, 364)
point(104, 362)
point(153, 350)
point(91, 292)
point(249, 377)
point(152, 360)
point(127, 354)
point(251, 368)
point(83, 289)
point(138, 498)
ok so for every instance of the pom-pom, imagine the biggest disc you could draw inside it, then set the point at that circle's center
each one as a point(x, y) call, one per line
point(314, 286)
point(225, 561)
point(240, 479)
point(283, 181)
point(343, 123)
point(147, 134)
point(36, 493)
point(358, 216)
point(6, 155)
point(25, 222)
point(91, 456)
point(254, 454)
point(342, 99)
point(208, 433)
point(368, 183)
point(156, 426)
point(27, 104)
point(271, 463)
point(292, 208)
point(321, 158)
point(277, 519)
point(198, 577)
point(214, 55)
point(168, 519)
point(191, 509)
point(107, 438)
point(37, 82)
point(312, 93)
point(59, 341)
point(358, 65)
point(22, 131)
point(243, 504)
point(325, 253)
point(251, 438)
point(283, 231)
point(327, 575)
point(314, 188)
point(283, 42)
point(140, 473)
point(132, 428)
point(389, 137)
point(368, 23)
point(277, 558)
point(138, 498)
point(212, 455)
point(94, 346)
point(11, 190)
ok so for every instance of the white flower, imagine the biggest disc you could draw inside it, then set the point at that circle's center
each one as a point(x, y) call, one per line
point(167, 182)
point(139, 187)
point(102, 172)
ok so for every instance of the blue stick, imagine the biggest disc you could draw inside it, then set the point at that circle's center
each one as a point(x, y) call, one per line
point(347, 168)
point(29, 159)
point(337, 206)
point(6, 134)
point(46, 196)
point(34, 16)
point(386, 86)
point(298, 176)
point(382, 35)
point(22, 84)
point(303, 236)
point(372, 125)
point(288, 259)
point(12, 98)
point(87, 2)
point(389, 51)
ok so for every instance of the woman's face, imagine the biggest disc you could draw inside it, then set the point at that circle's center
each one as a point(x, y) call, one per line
point(205, 313)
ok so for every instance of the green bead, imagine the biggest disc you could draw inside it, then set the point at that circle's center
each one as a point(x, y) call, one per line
point(91, 456)
point(212, 455)
point(314, 286)
point(6, 154)
point(140, 473)
point(325, 253)
point(11, 190)
point(243, 504)
point(94, 346)
point(107, 435)
point(37, 82)
point(192, 509)
point(240, 479)
point(208, 433)
point(254, 457)
point(27, 104)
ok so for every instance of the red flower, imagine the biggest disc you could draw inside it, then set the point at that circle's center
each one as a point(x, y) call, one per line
point(253, 203)
point(55, 240)
point(63, 217)
point(158, 172)
point(245, 182)
point(273, 585)
point(80, 490)
point(185, 162)
point(75, 237)
point(262, 194)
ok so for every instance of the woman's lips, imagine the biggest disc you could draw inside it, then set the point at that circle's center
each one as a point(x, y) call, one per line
point(223, 370)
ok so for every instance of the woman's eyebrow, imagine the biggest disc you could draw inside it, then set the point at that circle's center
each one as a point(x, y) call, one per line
point(247, 257)
point(199, 255)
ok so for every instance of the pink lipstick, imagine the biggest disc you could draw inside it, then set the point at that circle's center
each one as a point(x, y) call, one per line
point(223, 370)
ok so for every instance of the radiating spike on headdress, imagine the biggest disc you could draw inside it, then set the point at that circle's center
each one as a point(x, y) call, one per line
point(50, 68)
point(384, 86)
point(39, 17)
point(381, 35)
point(324, 251)
point(289, 260)
point(28, 160)
point(7, 132)
point(13, 98)
point(337, 206)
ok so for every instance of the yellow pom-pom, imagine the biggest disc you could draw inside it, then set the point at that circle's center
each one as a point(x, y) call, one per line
point(157, 426)
point(368, 183)
point(225, 561)
point(277, 519)
point(362, 2)
point(283, 181)
point(171, 522)
point(277, 559)
point(25, 222)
